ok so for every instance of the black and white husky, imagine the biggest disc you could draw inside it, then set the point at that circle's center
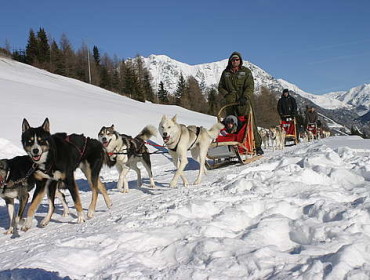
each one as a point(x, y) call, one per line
point(57, 156)
point(125, 152)
point(180, 138)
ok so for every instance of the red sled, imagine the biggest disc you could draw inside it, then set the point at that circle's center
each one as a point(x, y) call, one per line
point(233, 147)
point(289, 125)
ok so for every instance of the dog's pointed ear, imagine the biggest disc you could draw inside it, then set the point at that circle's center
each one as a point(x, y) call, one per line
point(46, 125)
point(25, 125)
point(164, 117)
point(174, 119)
point(112, 126)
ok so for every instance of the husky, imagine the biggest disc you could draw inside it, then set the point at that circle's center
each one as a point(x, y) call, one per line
point(56, 157)
point(303, 136)
point(179, 138)
point(126, 152)
point(310, 136)
point(265, 136)
point(16, 181)
point(277, 137)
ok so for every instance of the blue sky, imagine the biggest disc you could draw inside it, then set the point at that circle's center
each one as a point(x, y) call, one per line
point(319, 45)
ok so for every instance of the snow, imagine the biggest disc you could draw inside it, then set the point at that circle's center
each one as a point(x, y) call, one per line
point(300, 213)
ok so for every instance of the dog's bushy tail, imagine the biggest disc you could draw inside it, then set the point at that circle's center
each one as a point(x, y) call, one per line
point(215, 130)
point(147, 132)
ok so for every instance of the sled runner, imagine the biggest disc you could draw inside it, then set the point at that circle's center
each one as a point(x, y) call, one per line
point(289, 125)
point(231, 148)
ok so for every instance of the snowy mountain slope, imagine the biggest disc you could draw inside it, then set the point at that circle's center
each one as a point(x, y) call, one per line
point(168, 70)
point(358, 97)
point(300, 213)
point(324, 101)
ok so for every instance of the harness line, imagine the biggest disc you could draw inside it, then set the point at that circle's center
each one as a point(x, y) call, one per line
point(4, 185)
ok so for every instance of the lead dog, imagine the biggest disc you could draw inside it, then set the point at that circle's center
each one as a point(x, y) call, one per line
point(126, 152)
point(180, 138)
point(16, 180)
point(57, 156)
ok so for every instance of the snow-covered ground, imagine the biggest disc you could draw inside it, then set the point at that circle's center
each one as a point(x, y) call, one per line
point(300, 213)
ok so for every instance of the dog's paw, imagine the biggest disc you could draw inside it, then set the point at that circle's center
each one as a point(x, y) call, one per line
point(81, 218)
point(90, 213)
point(197, 182)
point(65, 213)
point(27, 224)
point(44, 222)
point(9, 231)
point(124, 190)
point(24, 228)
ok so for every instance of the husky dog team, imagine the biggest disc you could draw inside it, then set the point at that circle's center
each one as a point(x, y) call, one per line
point(52, 159)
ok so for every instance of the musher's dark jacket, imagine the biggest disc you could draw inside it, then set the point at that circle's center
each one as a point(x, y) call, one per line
point(287, 106)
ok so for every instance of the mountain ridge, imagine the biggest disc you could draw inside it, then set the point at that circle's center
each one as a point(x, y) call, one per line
point(167, 70)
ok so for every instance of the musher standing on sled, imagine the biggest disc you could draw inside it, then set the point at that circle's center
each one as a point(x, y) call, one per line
point(237, 85)
point(287, 106)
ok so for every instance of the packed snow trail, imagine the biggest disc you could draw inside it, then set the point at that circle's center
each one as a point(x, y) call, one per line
point(297, 213)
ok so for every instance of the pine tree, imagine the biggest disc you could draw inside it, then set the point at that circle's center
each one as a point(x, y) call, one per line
point(180, 90)
point(212, 102)
point(139, 85)
point(56, 58)
point(32, 48)
point(128, 80)
point(96, 55)
point(43, 56)
point(149, 93)
point(162, 94)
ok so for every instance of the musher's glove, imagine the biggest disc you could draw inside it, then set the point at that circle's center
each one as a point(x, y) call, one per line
point(242, 101)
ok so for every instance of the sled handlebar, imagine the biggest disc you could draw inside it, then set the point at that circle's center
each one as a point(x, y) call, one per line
point(223, 108)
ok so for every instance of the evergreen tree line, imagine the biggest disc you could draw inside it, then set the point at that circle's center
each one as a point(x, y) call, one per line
point(129, 78)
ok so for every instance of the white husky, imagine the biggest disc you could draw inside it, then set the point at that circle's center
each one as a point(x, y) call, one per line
point(180, 138)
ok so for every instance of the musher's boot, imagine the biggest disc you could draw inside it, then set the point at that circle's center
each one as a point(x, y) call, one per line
point(259, 151)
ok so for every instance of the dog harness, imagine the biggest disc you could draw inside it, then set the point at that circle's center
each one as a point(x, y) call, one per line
point(68, 139)
point(133, 143)
point(191, 146)
point(4, 182)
